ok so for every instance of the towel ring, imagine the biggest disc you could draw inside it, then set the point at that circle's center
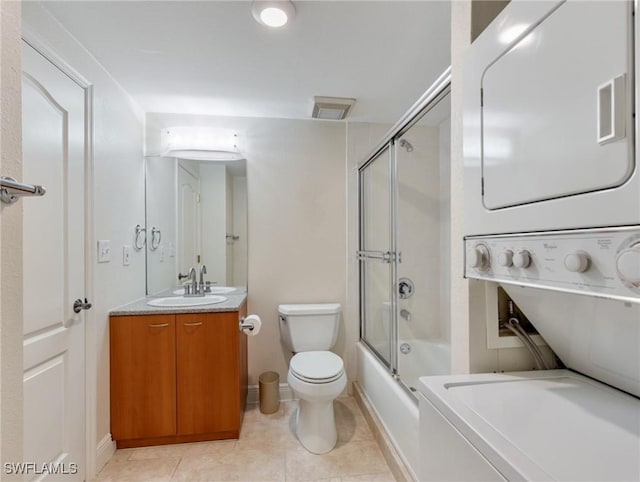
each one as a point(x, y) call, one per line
point(155, 240)
point(141, 237)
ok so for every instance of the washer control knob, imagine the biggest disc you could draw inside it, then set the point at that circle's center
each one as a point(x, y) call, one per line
point(577, 262)
point(506, 258)
point(478, 257)
point(628, 265)
point(522, 259)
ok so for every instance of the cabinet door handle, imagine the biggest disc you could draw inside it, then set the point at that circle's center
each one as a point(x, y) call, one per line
point(197, 323)
point(158, 325)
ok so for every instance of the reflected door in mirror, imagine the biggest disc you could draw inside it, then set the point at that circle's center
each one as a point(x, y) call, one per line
point(188, 219)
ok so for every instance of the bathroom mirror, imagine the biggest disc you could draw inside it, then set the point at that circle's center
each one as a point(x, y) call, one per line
point(196, 214)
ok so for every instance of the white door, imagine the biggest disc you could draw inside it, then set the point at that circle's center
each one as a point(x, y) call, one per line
point(188, 220)
point(555, 107)
point(54, 272)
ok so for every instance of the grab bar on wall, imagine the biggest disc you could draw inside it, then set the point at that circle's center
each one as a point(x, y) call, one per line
point(11, 190)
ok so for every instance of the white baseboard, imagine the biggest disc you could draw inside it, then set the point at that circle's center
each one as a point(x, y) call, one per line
point(105, 449)
point(253, 393)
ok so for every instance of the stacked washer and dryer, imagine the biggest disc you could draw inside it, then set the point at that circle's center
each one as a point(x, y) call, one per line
point(552, 214)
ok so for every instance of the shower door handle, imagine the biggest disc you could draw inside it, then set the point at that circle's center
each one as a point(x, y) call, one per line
point(384, 256)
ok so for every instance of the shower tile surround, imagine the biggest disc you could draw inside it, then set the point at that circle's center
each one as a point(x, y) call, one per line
point(267, 450)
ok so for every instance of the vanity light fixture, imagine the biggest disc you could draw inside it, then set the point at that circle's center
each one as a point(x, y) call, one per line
point(201, 143)
point(205, 155)
point(273, 13)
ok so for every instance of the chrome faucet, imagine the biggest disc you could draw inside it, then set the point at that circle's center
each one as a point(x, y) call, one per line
point(191, 288)
point(203, 271)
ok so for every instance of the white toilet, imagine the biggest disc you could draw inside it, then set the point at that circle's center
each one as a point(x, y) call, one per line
point(316, 375)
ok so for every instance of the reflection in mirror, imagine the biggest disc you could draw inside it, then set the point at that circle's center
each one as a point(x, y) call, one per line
point(196, 215)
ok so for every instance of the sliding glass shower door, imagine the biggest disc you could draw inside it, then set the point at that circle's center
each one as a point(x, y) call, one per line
point(377, 270)
point(404, 247)
point(422, 224)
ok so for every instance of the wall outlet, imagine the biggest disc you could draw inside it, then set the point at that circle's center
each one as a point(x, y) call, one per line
point(172, 250)
point(104, 251)
point(126, 255)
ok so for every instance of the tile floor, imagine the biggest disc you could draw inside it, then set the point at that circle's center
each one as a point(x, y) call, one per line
point(266, 451)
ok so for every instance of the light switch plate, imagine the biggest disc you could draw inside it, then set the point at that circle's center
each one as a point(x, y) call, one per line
point(126, 255)
point(104, 251)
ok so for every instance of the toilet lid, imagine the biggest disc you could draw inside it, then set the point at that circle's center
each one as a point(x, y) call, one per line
point(317, 365)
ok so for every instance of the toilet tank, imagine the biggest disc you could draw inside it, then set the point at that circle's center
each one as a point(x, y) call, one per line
point(309, 327)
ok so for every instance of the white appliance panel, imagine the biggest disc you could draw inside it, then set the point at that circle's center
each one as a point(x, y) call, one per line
point(588, 306)
point(598, 262)
point(545, 425)
point(532, 160)
point(597, 337)
point(447, 455)
point(549, 150)
point(540, 105)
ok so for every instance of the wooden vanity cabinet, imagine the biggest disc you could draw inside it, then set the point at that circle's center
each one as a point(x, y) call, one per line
point(208, 373)
point(143, 376)
point(177, 378)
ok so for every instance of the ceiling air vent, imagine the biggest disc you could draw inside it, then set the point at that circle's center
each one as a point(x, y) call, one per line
point(332, 108)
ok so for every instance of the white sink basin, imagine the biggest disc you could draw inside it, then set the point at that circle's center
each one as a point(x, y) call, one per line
point(215, 290)
point(181, 301)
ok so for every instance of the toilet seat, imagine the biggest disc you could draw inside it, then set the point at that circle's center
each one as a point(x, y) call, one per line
point(316, 366)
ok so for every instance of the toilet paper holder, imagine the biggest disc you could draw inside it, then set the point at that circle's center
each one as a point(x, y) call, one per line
point(250, 325)
point(244, 326)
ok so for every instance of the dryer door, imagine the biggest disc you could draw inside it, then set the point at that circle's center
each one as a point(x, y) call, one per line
point(557, 106)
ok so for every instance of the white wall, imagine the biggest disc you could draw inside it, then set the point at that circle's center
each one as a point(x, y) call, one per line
point(10, 239)
point(117, 192)
point(296, 221)
point(460, 33)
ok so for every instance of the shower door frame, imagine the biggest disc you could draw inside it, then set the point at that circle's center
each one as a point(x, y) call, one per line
point(437, 92)
point(389, 256)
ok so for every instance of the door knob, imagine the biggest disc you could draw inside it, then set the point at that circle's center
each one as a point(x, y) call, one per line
point(79, 305)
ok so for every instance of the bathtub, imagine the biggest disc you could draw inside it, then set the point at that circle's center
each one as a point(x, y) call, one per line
point(396, 407)
point(426, 358)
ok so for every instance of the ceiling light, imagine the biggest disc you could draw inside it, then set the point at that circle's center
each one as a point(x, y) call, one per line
point(273, 13)
point(331, 108)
